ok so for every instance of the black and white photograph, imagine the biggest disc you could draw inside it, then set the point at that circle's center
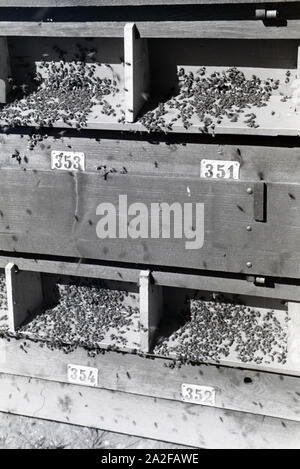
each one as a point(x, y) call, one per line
point(149, 227)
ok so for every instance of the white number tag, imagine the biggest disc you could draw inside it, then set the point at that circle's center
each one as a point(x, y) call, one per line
point(68, 160)
point(217, 169)
point(84, 375)
point(203, 395)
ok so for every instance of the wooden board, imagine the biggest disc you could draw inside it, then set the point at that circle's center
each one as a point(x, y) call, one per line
point(137, 76)
point(275, 161)
point(35, 221)
point(151, 417)
point(69, 3)
point(245, 29)
point(241, 390)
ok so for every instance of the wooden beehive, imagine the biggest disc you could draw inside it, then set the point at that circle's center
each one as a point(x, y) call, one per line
point(49, 217)
point(36, 221)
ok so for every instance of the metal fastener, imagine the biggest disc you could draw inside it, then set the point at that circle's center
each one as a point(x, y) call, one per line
point(249, 264)
point(249, 190)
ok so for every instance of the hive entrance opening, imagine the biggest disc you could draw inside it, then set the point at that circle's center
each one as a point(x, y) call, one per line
point(86, 313)
point(3, 299)
point(224, 329)
point(69, 82)
point(208, 85)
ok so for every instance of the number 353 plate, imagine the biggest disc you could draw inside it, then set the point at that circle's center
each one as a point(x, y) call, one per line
point(218, 169)
point(68, 160)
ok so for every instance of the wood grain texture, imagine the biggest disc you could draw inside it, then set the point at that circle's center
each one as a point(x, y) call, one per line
point(36, 221)
point(78, 3)
point(136, 71)
point(275, 162)
point(138, 415)
point(244, 390)
point(151, 309)
point(237, 286)
point(244, 29)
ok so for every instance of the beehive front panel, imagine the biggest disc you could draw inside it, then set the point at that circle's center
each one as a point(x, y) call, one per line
point(167, 221)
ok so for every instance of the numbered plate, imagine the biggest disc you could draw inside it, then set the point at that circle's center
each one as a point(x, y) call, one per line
point(68, 161)
point(203, 395)
point(84, 375)
point(218, 169)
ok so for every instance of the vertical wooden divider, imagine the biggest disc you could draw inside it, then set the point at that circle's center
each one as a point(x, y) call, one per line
point(4, 69)
point(151, 309)
point(137, 79)
point(24, 294)
point(294, 335)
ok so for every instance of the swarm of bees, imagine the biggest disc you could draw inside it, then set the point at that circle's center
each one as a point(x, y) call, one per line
point(210, 98)
point(215, 330)
point(65, 92)
point(85, 315)
point(3, 296)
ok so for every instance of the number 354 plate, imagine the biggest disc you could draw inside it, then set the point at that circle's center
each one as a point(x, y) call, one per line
point(68, 160)
point(83, 375)
point(218, 169)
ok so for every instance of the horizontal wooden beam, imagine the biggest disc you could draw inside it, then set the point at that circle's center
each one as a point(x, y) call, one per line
point(35, 221)
point(200, 282)
point(83, 3)
point(271, 394)
point(160, 29)
point(200, 426)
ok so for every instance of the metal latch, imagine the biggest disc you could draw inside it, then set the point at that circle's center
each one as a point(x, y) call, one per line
point(260, 201)
point(262, 14)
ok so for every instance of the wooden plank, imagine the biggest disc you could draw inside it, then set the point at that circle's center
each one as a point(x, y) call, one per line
point(244, 29)
point(80, 3)
point(275, 162)
point(77, 269)
point(284, 124)
point(226, 285)
point(24, 295)
point(151, 309)
point(150, 417)
point(35, 221)
point(238, 286)
point(137, 75)
point(294, 334)
point(270, 394)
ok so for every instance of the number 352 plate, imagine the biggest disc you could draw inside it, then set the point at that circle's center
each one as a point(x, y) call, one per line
point(218, 169)
point(195, 394)
point(68, 160)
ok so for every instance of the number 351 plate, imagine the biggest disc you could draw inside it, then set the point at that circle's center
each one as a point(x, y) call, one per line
point(68, 160)
point(218, 169)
